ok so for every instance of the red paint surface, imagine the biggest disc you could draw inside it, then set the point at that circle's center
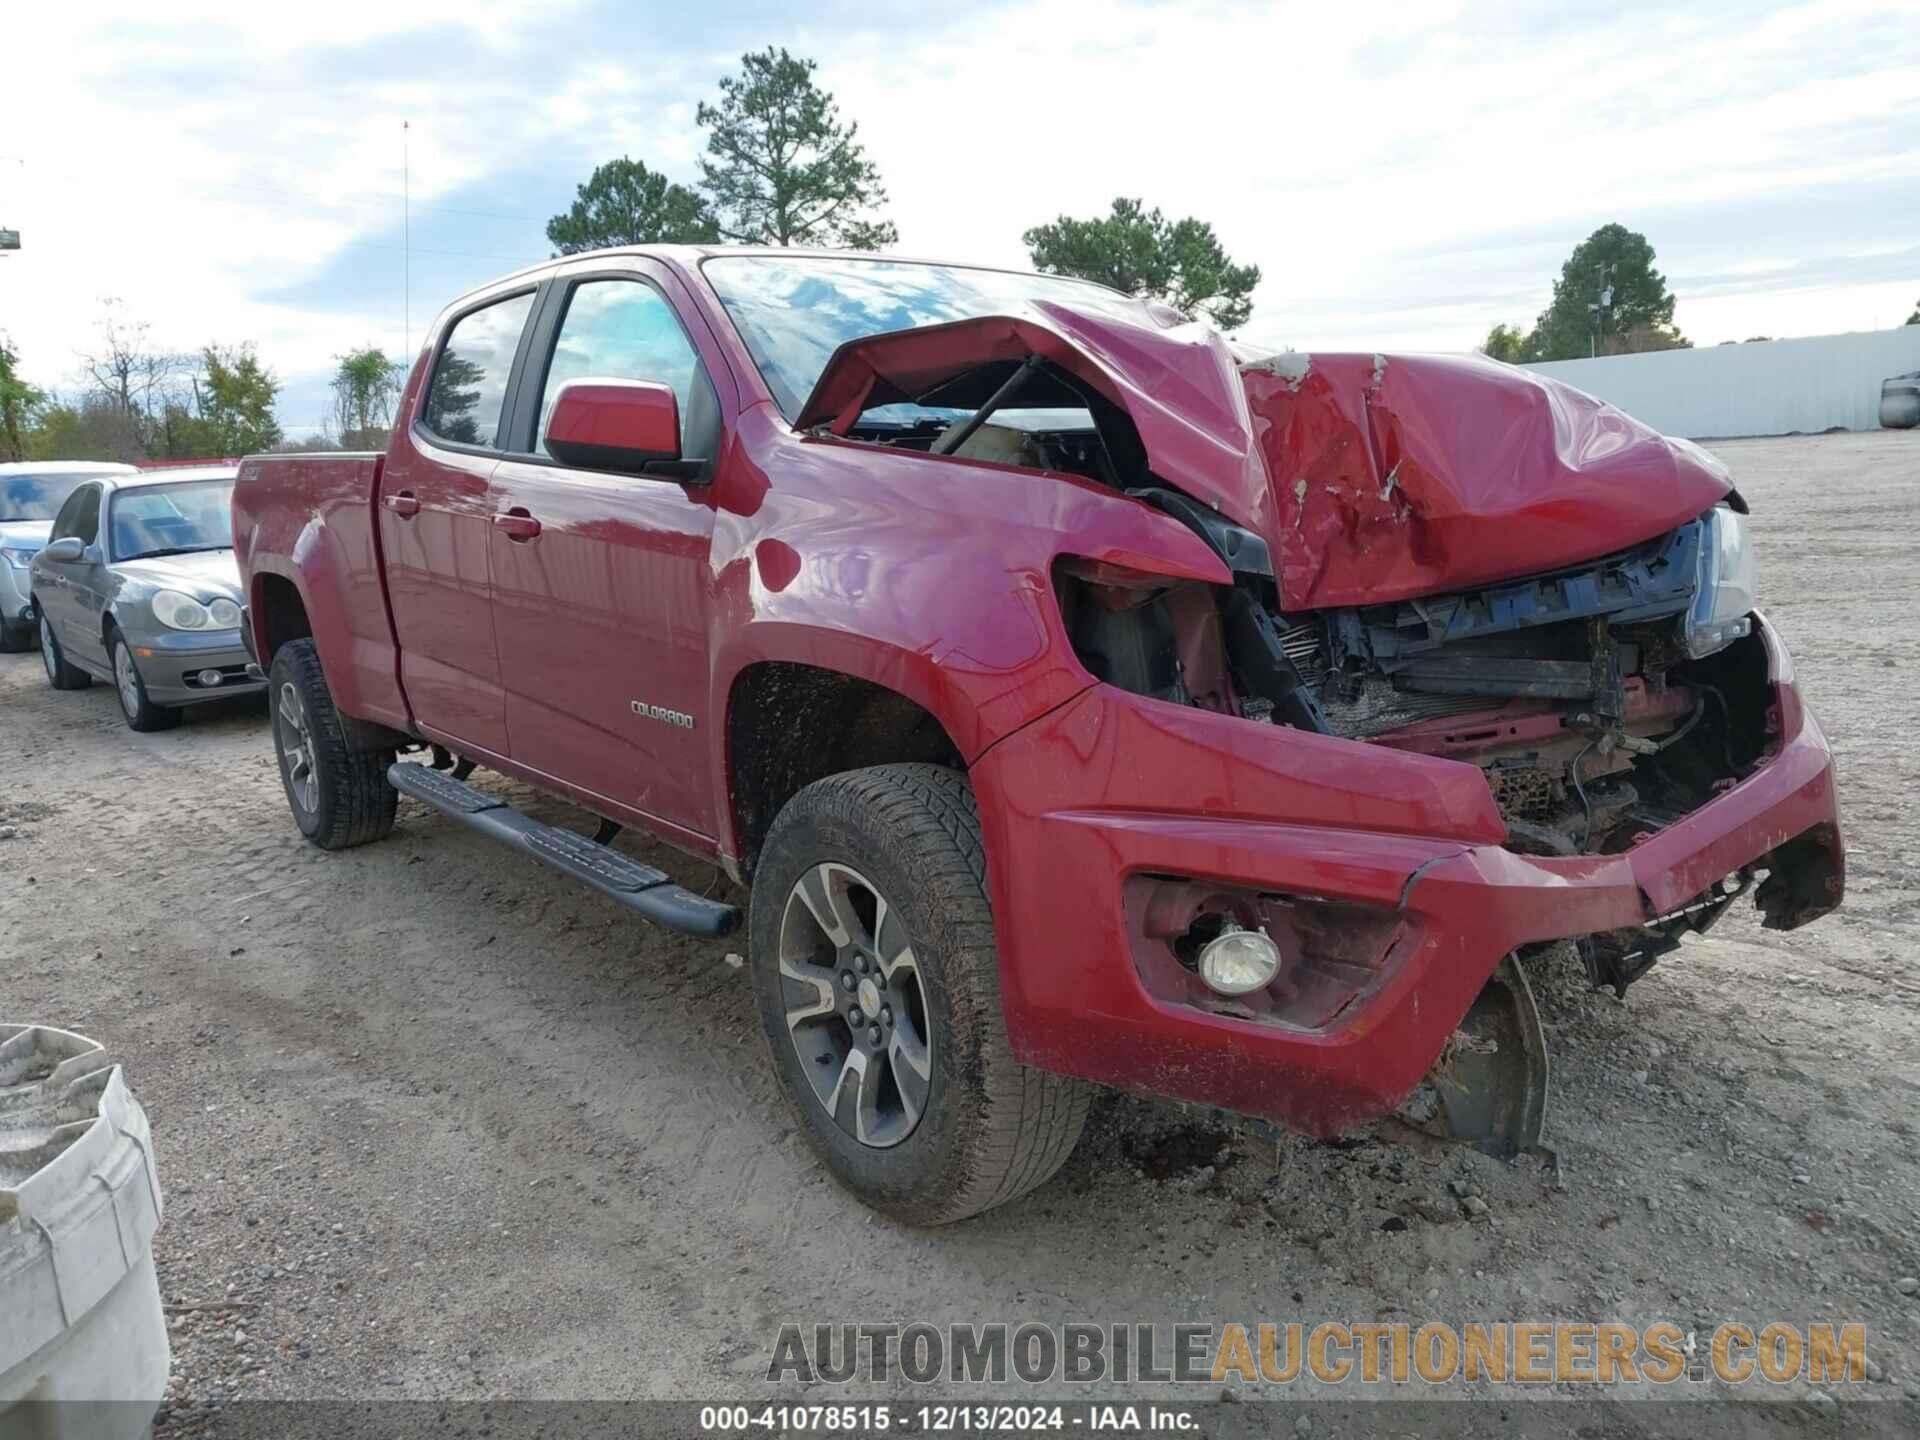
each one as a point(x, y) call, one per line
point(1398, 476)
point(930, 577)
point(1111, 786)
point(639, 416)
point(1371, 477)
point(308, 521)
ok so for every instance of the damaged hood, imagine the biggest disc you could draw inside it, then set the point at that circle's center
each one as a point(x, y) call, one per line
point(1399, 476)
point(1372, 478)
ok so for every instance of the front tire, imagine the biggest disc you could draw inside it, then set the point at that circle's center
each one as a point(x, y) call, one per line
point(60, 674)
point(877, 980)
point(141, 713)
point(16, 639)
point(339, 795)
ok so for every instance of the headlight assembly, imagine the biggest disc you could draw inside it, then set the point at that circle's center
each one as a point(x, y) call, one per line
point(183, 612)
point(1728, 585)
point(18, 559)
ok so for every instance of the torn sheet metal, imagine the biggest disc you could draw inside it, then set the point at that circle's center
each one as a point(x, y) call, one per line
point(1178, 383)
point(1400, 476)
point(1372, 477)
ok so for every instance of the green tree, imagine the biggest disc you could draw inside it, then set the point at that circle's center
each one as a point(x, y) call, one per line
point(1143, 253)
point(1914, 318)
point(20, 404)
point(782, 168)
point(1639, 312)
point(234, 398)
point(1509, 343)
point(625, 203)
point(92, 427)
point(366, 387)
point(456, 399)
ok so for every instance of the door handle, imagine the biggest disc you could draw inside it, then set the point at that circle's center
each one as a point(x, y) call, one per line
point(517, 524)
point(403, 504)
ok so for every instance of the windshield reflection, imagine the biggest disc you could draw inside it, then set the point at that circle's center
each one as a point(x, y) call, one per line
point(795, 312)
point(172, 519)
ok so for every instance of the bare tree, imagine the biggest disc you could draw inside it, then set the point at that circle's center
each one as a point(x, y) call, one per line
point(132, 377)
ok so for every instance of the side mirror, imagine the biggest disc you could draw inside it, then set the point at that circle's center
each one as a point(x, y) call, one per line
point(68, 550)
point(623, 425)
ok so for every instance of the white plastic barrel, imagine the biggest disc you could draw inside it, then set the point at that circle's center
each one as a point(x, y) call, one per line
point(83, 1341)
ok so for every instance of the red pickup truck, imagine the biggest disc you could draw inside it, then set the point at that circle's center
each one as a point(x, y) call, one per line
point(1084, 698)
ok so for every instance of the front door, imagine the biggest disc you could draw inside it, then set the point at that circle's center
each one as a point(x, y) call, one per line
point(68, 595)
point(600, 603)
point(435, 520)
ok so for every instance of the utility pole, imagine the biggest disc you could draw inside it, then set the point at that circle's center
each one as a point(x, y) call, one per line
point(406, 245)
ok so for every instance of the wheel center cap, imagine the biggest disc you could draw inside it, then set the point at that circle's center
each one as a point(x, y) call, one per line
point(869, 996)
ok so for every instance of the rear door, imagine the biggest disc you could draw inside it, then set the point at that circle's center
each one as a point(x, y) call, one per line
point(436, 518)
point(602, 615)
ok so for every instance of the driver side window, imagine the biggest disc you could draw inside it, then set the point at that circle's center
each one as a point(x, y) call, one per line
point(626, 330)
point(79, 517)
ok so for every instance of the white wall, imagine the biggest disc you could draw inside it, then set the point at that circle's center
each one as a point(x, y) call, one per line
point(1768, 387)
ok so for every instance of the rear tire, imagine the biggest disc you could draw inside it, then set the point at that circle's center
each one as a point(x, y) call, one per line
point(131, 688)
point(892, 856)
point(60, 674)
point(339, 795)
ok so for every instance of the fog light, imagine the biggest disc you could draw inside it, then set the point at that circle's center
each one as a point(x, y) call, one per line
point(1237, 961)
point(209, 677)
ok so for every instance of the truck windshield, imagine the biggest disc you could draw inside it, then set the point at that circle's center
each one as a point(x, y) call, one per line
point(794, 312)
point(172, 519)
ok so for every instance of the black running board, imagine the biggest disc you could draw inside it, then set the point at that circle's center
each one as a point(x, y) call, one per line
point(641, 888)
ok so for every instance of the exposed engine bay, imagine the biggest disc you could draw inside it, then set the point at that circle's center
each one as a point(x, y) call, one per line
point(1574, 693)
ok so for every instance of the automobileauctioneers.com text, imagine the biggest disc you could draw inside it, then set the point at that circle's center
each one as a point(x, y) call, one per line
point(1329, 1353)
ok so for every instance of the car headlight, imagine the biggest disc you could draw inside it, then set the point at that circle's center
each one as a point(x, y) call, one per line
point(18, 559)
point(226, 614)
point(1728, 584)
point(180, 612)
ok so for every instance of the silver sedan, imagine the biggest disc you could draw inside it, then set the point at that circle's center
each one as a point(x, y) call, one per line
point(138, 586)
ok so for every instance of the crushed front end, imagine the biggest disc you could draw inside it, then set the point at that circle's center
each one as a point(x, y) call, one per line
point(1398, 798)
point(1479, 668)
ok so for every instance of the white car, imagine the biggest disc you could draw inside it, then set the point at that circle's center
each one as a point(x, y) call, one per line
point(31, 494)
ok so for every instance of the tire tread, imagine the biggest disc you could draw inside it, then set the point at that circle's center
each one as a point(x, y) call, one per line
point(359, 805)
point(1030, 1119)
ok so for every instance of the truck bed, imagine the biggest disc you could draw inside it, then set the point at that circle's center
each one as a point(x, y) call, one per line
point(308, 522)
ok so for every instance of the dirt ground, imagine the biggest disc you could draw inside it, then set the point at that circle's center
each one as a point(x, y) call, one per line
point(435, 1123)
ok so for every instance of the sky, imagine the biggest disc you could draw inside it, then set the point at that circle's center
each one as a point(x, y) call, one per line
point(1404, 176)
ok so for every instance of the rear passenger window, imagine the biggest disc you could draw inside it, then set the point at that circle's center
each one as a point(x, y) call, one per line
point(626, 330)
point(469, 390)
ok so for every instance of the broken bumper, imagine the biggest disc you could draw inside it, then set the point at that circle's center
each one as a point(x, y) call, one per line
point(1184, 793)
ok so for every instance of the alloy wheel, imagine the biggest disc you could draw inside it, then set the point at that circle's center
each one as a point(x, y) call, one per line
point(126, 679)
point(294, 736)
point(856, 1009)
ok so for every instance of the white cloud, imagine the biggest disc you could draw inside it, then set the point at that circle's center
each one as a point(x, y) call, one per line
point(1404, 175)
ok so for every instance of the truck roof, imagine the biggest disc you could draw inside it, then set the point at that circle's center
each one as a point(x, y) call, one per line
point(688, 257)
